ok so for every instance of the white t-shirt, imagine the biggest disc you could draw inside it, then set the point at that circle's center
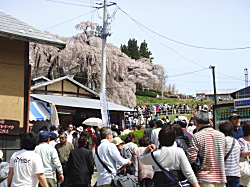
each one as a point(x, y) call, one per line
point(26, 165)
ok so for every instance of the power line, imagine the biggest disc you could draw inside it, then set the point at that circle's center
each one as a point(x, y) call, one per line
point(69, 3)
point(69, 20)
point(185, 44)
point(188, 73)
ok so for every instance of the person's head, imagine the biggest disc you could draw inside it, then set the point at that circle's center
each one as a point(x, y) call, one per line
point(70, 127)
point(151, 123)
point(144, 141)
point(118, 142)
point(106, 133)
point(44, 136)
point(85, 134)
point(63, 138)
point(226, 128)
point(29, 141)
point(53, 136)
point(246, 128)
point(178, 130)
point(182, 121)
point(167, 136)
point(234, 119)
point(158, 123)
point(30, 126)
point(82, 141)
point(75, 134)
point(202, 118)
point(129, 138)
point(52, 128)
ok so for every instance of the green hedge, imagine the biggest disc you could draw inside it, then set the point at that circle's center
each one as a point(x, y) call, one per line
point(146, 93)
point(156, 91)
point(138, 134)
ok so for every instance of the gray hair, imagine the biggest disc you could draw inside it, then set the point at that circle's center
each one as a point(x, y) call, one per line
point(202, 117)
point(104, 132)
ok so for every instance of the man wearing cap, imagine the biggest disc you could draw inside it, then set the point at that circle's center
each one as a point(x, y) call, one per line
point(50, 159)
point(182, 121)
point(234, 119)
point(4, 169)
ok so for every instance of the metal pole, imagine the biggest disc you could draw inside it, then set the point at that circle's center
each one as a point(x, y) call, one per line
point(104, 40)
point(215, 95)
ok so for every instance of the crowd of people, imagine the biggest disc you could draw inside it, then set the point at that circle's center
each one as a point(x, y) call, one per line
point(68, 158)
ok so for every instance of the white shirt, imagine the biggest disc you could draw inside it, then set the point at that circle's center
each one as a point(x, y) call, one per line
point(154, 136)
point(26, 165)
point(69, 136)
point(110, 155)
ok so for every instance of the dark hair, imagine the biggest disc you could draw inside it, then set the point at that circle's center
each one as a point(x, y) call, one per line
point(178, 130)
point(226, 128)
point(75, 134)
point(29, 141)
point(70, 124)
point(53, 138)
point(85, 134)
point(182, 124)
point(43, 140)
point(151, 123)
point(167, 136)
point(82, 141)
point(246, 128)
point(159, 123)
point(144, 141)
point(63, 133)
point(52, 127)
point(129, 138)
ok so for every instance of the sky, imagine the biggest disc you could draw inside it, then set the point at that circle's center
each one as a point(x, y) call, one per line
point(185, 37)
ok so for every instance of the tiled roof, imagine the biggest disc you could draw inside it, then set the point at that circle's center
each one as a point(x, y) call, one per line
point(14, 28)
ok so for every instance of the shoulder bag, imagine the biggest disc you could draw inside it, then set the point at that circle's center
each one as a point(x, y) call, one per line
point(120, 180)
point(229, 152)
point(244, 164)
point(184, 183)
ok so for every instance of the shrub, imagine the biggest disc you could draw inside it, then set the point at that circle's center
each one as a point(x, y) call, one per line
point(138, 134)
point(146, 93)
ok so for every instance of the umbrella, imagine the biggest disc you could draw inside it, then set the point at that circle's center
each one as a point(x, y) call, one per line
point(93, 122)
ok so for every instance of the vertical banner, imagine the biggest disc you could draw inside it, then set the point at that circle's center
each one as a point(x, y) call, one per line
point(104, 110)
point(54, 115)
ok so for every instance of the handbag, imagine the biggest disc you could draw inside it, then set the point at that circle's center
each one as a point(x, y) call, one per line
point(184, 183)
point(120, 180)
point(244, 165)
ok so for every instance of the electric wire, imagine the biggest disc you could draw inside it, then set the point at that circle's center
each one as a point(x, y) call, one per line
point(185, 44)
point(69, 20)
point(68, 3)
point(188, 73)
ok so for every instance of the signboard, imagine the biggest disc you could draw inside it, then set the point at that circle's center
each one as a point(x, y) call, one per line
point(222, 113)
point(242, 103)
point(104, 110)
point(10, 127)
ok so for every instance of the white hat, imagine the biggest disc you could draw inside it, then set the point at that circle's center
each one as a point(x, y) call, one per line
point(80, 128)
point(182, 119)
point(1, 154)
point(117, 141)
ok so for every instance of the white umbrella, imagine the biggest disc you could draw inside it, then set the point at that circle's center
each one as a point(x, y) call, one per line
point(93, 122)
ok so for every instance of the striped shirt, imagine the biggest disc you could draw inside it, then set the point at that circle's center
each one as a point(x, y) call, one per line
point(210, 144)
point(232, 166)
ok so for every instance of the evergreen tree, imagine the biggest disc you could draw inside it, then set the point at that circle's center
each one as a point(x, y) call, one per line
point(124, 49)
point(133, 51)
point(144, 52)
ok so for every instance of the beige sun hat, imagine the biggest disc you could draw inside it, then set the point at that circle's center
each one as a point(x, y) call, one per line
point(117, 141)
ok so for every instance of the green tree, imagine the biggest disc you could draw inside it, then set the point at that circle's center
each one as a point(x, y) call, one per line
point(124, 49)
point(144, 52)
point(133, 49)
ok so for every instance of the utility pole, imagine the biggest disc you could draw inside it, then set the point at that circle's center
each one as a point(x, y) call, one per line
point(104, 41)
point(246, 77)
point(215, 95)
